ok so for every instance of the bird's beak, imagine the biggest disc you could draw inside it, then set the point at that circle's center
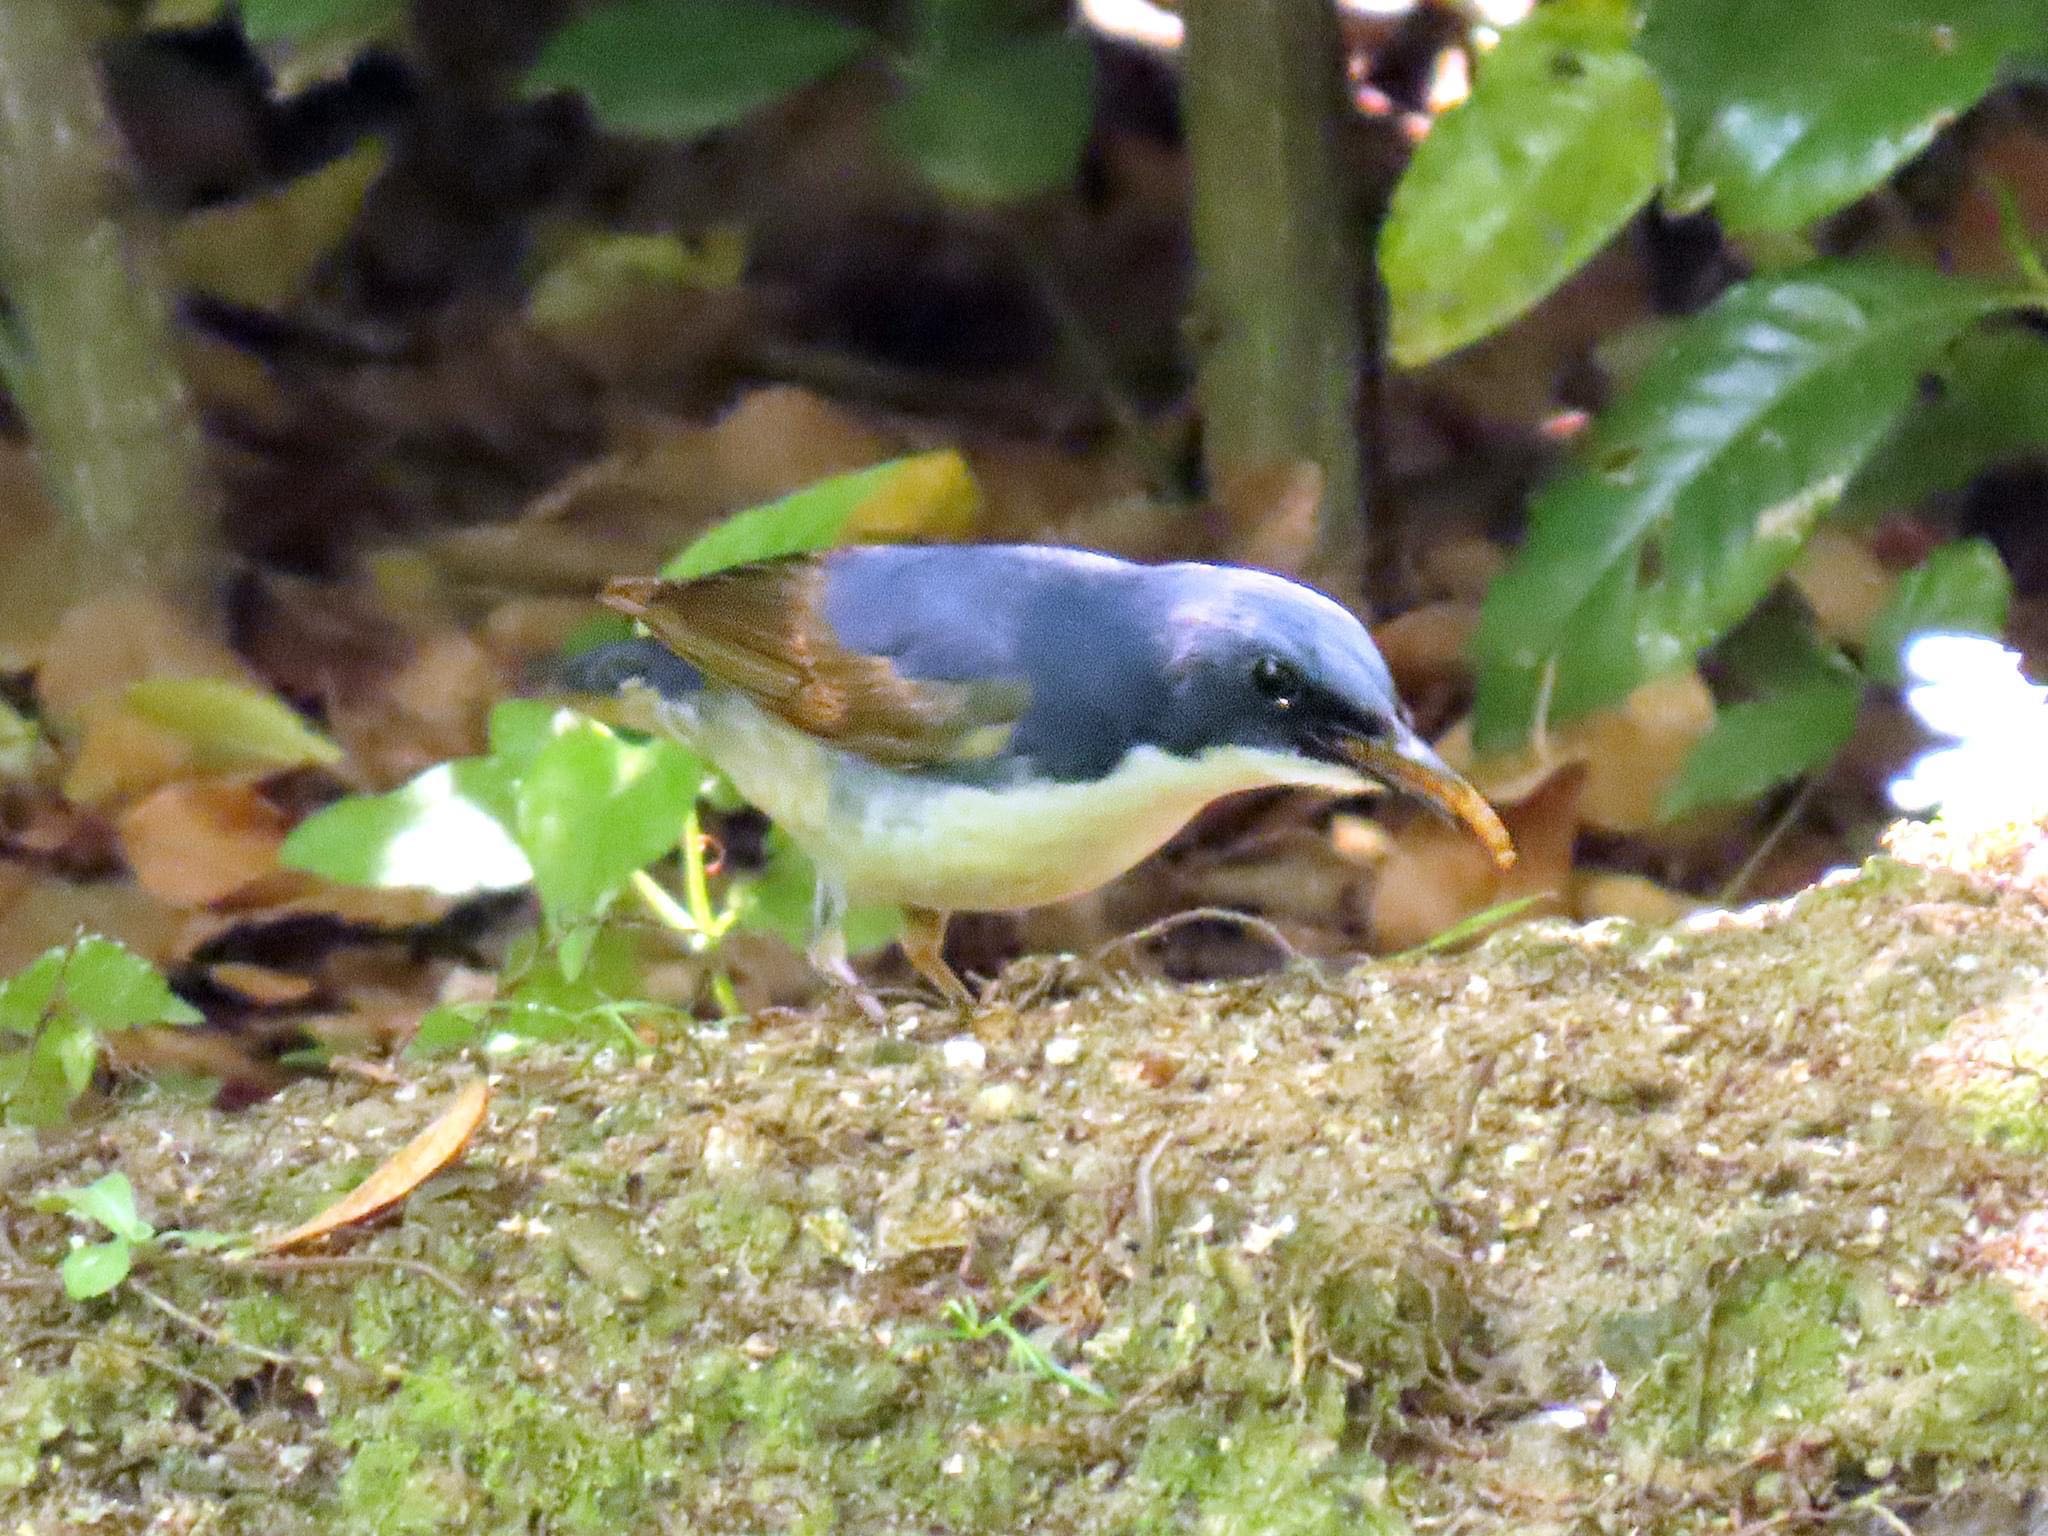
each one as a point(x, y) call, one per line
point(1408, 765)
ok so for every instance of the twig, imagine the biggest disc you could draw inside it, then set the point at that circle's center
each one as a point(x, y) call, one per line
point(214, 1335)
point(1794, 808)
point(288, 1263)
point(1142, 1194)
point(1256, 925)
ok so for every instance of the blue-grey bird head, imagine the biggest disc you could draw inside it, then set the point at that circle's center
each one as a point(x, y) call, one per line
point(1261, 662)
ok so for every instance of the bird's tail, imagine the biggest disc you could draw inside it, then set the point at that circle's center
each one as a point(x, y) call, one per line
point(611, 668)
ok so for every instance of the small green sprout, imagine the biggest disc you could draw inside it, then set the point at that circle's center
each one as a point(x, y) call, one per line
point(966, 1324)
point(55, 1013)
point(93, 1269)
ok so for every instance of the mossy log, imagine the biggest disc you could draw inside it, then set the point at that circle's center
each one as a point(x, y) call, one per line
point(1734, 1228)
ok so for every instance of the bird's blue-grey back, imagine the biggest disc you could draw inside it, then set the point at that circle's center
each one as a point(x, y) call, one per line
point(1086, 634)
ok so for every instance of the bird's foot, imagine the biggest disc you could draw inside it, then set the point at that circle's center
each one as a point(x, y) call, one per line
point(924, 944)
point(840, 971)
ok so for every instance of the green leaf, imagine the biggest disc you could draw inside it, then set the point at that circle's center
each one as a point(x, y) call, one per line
point(902, 495)
point(108, 1200)
point(22, 748)
point(450, 1027)
point(1765, 742)
point(999, 122)
point(1961, 588)
point(447, 831)
point(231, 725)
point(1778, 650)
point(519, 728)
point(1564, 136)
point(25, 997)
point(1696, 491)
point(1991, 409)
point(111, 987)
point(685, 67)
point(56, 1069)
point(1789, 112)
point(593, 808)
point(295, 21)
point(95, 1269)
point(778, 901)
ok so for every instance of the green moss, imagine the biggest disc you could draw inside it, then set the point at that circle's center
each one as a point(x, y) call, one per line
point(1396, 1214)
point(446, 1451)
point(1258, 1475)
point(1797, 1350)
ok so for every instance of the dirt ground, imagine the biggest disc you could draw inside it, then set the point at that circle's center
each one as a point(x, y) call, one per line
point(1736, 1227)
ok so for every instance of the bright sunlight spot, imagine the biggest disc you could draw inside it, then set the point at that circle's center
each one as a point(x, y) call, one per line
point(454, 847)
point(1971, 689)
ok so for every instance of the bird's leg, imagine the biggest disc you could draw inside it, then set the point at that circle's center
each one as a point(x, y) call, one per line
point(924, 943)
point(827, 953)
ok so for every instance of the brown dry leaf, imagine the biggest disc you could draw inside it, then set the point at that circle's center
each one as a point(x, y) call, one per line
point(1461, 569)
point(102, 646)
point(260, 984)
point(398, 1175)
point(202, 841)
point(783, 438)
point(119, 754)
point(1433, 874)
point(1844, 583)
point(526, 629)
point(431, 708)
point(1425, 648)
point(663, 484)
point(1632, 753)
point(1605, 893)
point(43, 912)
point(1293, 876)
point(1270, 515)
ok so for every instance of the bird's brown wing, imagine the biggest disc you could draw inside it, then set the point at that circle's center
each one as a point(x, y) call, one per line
point(762, 630)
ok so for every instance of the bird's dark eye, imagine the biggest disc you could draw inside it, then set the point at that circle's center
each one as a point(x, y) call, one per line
point(1278, 681)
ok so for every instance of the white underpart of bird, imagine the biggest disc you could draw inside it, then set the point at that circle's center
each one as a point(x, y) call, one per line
point(881, 837)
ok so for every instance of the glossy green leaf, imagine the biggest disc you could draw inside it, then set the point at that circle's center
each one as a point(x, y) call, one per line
point(1564, 136)
point(1787, 112)
point(519, 728)
point(1989, 406)
point(298, 21)
point(1962, 587)
point(231, 725)
point(999, 122)
point(903, 494)
point(1696, 491)
point(449, 830)
point(111, 987)
point(108, 1200)
point(95, 1269)
point(593, 808)
point(25, 997)
point(685, 67)
point(1765, 742)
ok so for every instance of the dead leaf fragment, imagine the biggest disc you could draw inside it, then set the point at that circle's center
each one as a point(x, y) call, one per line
point(398, 1175)
point(1633, 753)
point(201, 842)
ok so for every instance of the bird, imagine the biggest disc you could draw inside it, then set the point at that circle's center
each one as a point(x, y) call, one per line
point(991, 727)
